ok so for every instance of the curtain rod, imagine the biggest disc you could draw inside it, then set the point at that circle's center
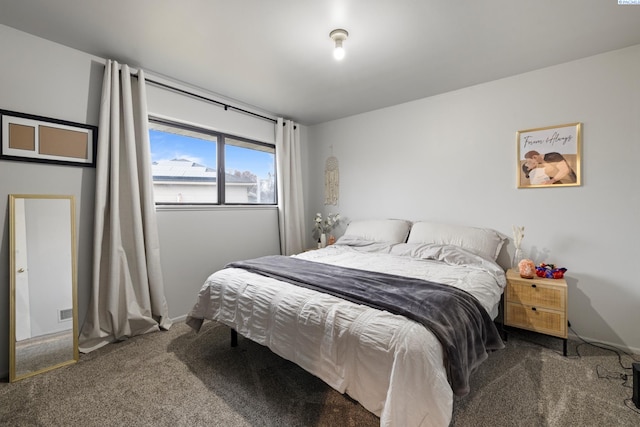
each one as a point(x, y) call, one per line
point(204, 98)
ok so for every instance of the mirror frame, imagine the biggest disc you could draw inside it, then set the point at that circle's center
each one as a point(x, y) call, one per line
point(12, 285)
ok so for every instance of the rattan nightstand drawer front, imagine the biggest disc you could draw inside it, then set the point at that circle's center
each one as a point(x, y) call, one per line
point(536, 294)
point(551, 322)
point(537, 304)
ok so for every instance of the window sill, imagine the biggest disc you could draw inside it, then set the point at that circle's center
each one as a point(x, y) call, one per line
point(203, 207)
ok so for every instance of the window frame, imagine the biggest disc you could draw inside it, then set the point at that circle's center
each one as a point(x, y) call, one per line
point(220, 167)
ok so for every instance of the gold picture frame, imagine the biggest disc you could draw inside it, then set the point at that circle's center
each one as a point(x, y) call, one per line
point(26, 137)
point(549, 156)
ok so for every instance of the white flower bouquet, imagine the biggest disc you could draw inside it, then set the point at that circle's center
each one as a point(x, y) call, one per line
point(518, 255)
point(518, 235)
point(324, 225)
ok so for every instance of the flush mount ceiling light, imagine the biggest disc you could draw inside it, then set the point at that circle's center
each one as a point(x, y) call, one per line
point(338, 36)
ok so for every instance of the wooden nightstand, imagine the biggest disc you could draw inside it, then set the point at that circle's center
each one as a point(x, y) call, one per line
point(537, 304)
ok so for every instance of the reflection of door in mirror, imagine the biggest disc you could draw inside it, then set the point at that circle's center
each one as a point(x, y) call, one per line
point(43, 290)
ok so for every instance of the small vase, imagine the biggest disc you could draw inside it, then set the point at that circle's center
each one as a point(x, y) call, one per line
point(518, 256)
point(323, 240)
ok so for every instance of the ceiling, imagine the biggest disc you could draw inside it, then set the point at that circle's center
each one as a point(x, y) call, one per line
point(277, 55)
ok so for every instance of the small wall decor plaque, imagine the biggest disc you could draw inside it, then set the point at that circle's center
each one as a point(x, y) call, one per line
point(26, 137)
point(331, 181)
point(549, 156)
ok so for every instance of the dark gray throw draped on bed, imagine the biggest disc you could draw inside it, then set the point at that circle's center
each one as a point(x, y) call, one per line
point(455, 317)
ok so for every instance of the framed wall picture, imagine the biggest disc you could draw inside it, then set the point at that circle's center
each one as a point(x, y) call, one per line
point(26, 137)
point(549, 156)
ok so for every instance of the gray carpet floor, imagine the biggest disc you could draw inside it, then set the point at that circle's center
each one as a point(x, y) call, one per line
point(38, 353)
point(180, 378)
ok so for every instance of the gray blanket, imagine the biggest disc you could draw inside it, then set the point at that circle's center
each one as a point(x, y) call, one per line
point(455, 317)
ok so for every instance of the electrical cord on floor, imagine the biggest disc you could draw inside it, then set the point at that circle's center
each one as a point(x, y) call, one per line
point(606, 347)
point(612, 375)
point(609, 375)
point(633, 408)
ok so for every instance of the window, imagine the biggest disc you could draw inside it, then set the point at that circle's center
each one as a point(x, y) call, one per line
point(197, 166)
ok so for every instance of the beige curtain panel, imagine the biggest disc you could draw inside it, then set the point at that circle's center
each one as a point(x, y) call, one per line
point(290, 201)
point(128, 296)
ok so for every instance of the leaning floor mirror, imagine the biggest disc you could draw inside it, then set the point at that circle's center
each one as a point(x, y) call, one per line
point(44, 320)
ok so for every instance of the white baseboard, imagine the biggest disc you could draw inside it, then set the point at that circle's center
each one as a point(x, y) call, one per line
point(633, 350)
point(179, 319)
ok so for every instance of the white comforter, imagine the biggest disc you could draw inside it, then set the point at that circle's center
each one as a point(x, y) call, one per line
point(392, 365)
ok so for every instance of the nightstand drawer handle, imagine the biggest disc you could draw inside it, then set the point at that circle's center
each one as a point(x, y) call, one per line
point(533, 286)
point(533, 308)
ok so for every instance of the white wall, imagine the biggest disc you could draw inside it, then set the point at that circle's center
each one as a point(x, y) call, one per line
point(195, 242)
point(452, 158)
point(43, 78)
point(449, 157)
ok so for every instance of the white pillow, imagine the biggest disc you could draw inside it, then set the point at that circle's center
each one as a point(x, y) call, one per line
point(380, 230)
point(480, 241)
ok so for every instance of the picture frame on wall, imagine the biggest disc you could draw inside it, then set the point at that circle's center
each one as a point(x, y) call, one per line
point(31, 138)
point(549, 156)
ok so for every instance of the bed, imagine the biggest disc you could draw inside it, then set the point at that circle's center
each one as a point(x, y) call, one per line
point(393, 364)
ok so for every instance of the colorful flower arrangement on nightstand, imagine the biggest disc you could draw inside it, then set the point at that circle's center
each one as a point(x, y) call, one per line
point(550, 271)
